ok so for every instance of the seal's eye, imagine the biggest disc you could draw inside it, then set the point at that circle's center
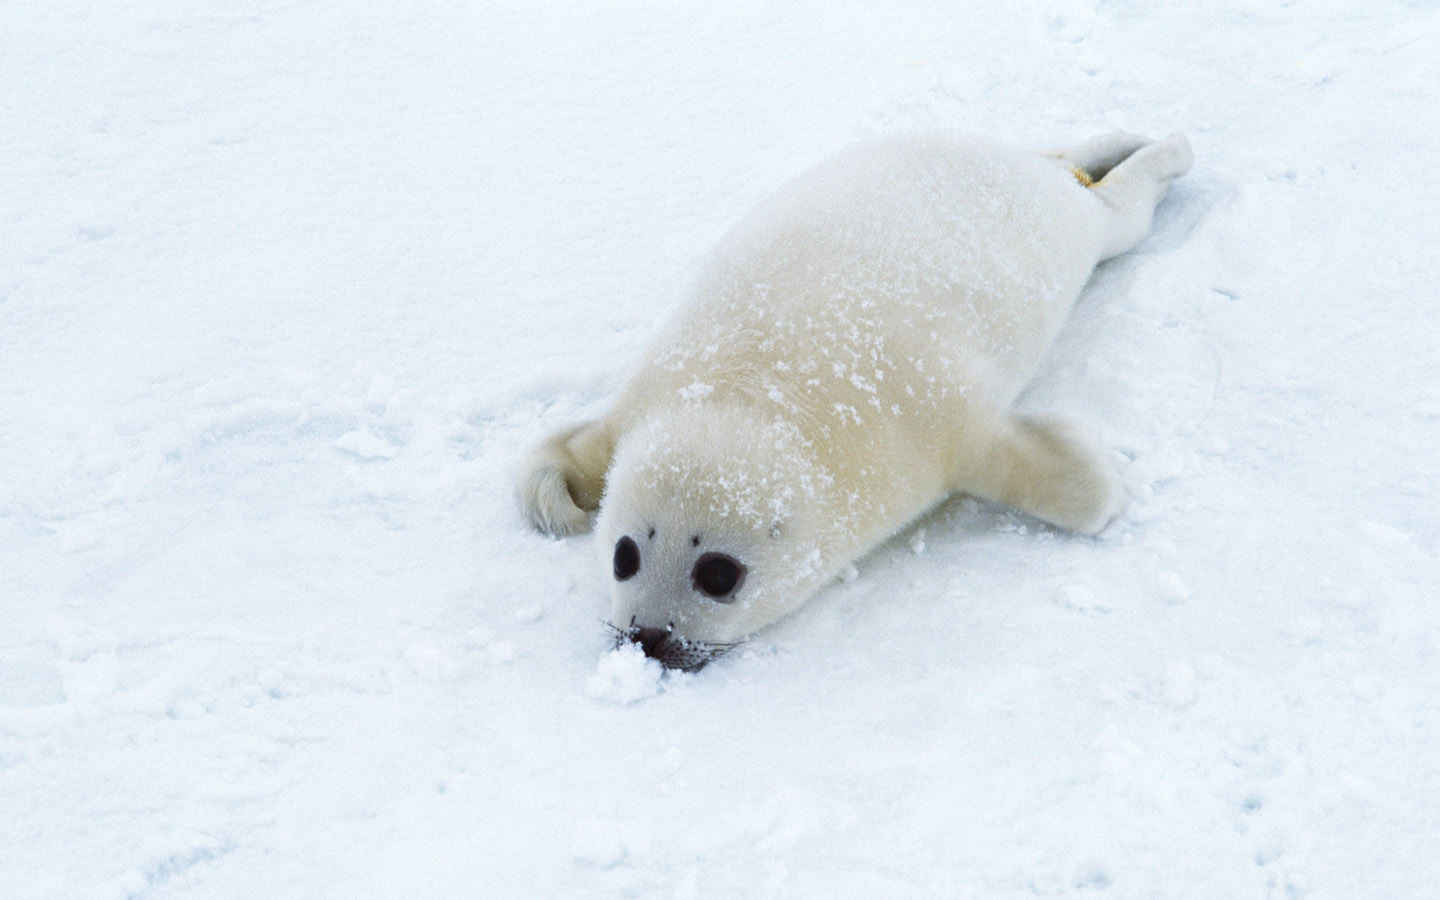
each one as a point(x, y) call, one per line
point(717, 576)
point(627, 558)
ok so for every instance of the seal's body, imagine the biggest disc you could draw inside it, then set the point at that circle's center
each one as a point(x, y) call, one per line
point(846, 359)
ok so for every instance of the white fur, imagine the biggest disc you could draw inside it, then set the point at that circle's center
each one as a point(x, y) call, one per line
point(847, 359)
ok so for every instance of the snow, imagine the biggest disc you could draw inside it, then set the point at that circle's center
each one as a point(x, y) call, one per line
point(286, 289)
point(625, 675)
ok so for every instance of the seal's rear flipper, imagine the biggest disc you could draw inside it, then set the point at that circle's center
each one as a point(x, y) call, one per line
point(1132, 189)
point(1097, 156)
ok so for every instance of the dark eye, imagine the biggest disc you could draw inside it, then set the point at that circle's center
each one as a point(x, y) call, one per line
point(627, 558)
point(717, 576)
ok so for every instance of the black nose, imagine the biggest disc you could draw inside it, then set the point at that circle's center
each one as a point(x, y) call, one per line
point(650, 639)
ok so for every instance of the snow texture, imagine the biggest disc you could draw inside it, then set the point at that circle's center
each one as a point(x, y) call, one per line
point(624, 675)
point(286, 289)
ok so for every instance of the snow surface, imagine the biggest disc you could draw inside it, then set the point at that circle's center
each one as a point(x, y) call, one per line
point(286, 289)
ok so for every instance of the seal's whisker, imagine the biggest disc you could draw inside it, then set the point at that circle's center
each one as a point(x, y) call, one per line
point(681, 653)
point(621, 635)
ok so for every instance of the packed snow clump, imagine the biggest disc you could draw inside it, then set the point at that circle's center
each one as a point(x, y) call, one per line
point(625, 675)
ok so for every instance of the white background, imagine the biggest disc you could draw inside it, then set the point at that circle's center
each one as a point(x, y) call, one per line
point(286, 288)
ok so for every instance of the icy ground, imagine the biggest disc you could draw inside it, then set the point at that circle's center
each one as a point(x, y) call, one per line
point(287, 287)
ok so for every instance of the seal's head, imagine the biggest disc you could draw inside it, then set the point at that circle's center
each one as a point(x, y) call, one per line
point(714, 524)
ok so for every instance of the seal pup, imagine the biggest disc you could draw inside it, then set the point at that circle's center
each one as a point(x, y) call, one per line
point(846, 359)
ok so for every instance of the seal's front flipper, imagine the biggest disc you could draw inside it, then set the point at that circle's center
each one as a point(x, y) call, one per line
point(566, 478)
point(1047, 468)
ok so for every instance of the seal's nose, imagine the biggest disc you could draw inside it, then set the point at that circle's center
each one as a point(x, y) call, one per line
point(650, 640)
